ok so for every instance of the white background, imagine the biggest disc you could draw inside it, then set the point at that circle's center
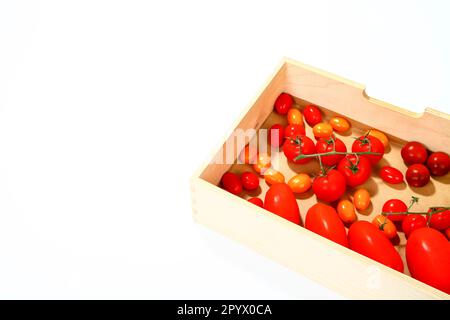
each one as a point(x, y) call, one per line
point(107, 108)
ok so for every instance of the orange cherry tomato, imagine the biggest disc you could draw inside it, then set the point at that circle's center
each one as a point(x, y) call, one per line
point(361, 199)
point(248, 155)
point(381, 136)
point(322, 130)
point(386, 225)
point(300, 183)
point(294, 116)
point(346, 211)
point(339, 124)
point(262, 163)
point(273, 176)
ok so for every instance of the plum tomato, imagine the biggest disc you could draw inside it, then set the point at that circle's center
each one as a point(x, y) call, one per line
point(361, 199)
point(391, 175)
point(441, 219)
point(294, 130)
point(356, 169)
point(339, 124)
point(438, 163)
point(281, 201)
point(414, 152)
point(231, 183)
point(324, 220)
point(294, 116)
point(322, 130)
point(256, 201)
point(329, 187)
point(312, 115)
point(283, 103)
point(248, 155)
point(395, 205)
point(368, 240)
point(381, 136)
point(300, 183)
point(276, 135)
point(428, 258)
point(417, 175)
point(413, 222)
point(250, 181)
point(385, 225)
point(273, 176)
point(346, 211)
point(293, 147)
point(328, 145)
point(262, 163)
point(369, 143)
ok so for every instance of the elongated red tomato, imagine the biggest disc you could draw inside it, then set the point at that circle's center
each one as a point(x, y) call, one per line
point(276, 135)
point(324, 220)
point(281, 200)
point(231, 183)
point(428, 258)
point(329, 145)
point(283, 103)
point(391, 175)
point(366, 239)
point(256, 201)
point(312, 115)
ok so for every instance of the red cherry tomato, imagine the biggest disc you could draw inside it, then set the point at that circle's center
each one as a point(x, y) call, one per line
point(312, 115)
point(438, 163)
point(281, 201)
point(356, 169)
point(369, 144)
point(417, 175)
point(440, 220)
point(256, 201)
point(414, 152)
point(324, 220)
point(391, 175)
point(276, 135)
point(413, 222)
point(294, 146)
point(231, 183)
point(395, 205)
point(428, 258)
point(329, 187)
point(283, 103)
point(294, 130)
point(328, 145)
point(366, 239)
point(250, 181)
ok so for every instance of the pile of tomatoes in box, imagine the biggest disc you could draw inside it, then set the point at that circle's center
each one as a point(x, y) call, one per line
point(334, 215)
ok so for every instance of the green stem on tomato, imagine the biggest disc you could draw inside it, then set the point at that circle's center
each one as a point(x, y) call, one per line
point(332, 153)
point(419, 212)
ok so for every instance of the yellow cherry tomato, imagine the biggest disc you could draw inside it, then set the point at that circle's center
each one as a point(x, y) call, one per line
point(262, 163)
point(346, 211)
point(339, 124)
point(322, 130)
point(300, 183)
point(294, 116)
point(381, 136)
point(361, 199)
point(273, 176)
point(386, 225)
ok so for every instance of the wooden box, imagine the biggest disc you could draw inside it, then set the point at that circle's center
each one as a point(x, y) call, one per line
point(330, 264)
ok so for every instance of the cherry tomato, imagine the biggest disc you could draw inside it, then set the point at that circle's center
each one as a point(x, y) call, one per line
point(328, 145)
point(356, 169)
point(339, 124)
point(438, 163)
point(273, 176)
point(366, 239)
point(413, 222)
point(361, 199)
point(280, 200)
point(294, 130)
point(294, 116)
point(440, 220)
point(380, 136)
point(294, 146)
point(256, 201)
point(414, 152)
point(248, 155)
point(391, 175)
point(385, 225)
point(322, 130)
point(312, 115)
point(329, 187)
point(324, 221)
point(231, 183)
point(276, 135)
point(369, 144)
point(250, 181)
point(417, 175)
point(395, 205)
point(346, 211)
point(262, 163)
point(300, 183)
point(428, 258)
point(283, 103)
